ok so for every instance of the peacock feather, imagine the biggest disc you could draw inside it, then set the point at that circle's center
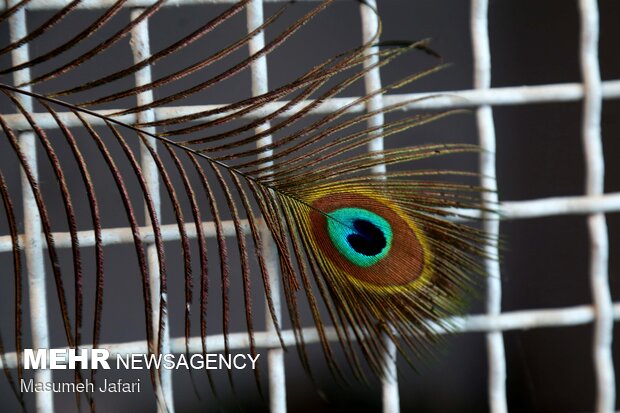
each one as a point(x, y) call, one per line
point(371, 242)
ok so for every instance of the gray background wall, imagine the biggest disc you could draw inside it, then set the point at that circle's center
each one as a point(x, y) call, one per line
point(545, 263)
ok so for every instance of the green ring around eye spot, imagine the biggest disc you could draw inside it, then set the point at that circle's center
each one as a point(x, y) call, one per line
point(340, 224)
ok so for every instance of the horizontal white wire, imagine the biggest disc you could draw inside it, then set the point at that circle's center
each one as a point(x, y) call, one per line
point(545, 207)
point(503, 96)
point(561, 206)
point(124, 235)
point(512, 320)
point(508, 210)
point(102, 4)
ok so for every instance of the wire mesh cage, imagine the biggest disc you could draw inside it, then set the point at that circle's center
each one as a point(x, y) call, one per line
point(550, 145)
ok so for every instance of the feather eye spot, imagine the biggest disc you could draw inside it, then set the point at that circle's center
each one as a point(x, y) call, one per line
point(361, 236)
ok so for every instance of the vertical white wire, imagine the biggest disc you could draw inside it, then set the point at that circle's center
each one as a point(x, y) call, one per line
point(141, 50)
point(372, 82)
point(486, 132)
point(595, 176)
point(33, 241)
point(275, 356)
point(389, 390)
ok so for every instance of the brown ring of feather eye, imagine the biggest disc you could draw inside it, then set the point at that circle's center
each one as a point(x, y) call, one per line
point(406, 259)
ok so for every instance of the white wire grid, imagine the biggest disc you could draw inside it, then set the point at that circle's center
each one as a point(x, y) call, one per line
point(594, 203)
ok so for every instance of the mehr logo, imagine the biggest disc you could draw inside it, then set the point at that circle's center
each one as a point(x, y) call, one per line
point(62, 359)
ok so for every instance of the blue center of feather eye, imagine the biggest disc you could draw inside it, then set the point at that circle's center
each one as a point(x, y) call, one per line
point(361, 236)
